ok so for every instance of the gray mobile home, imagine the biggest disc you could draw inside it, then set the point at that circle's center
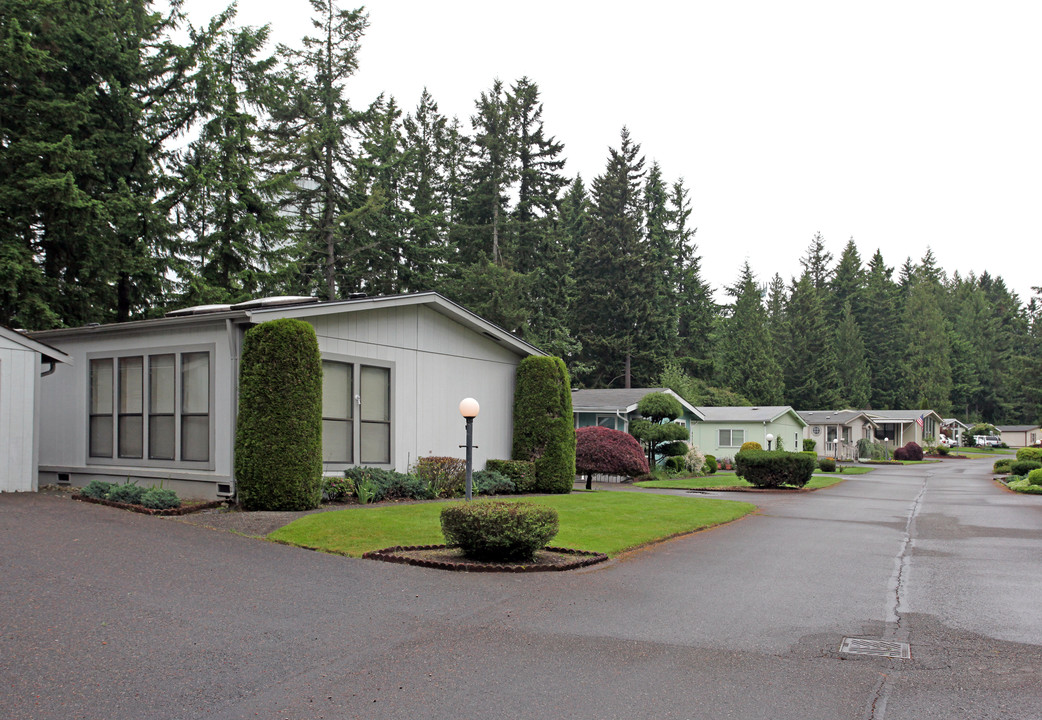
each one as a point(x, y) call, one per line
point(155, 400)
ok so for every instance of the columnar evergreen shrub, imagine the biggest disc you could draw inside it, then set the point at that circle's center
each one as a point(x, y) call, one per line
point(774, 468)
point(498, 531)
point(520, 472)
point(612, 452)
point(543, 422)
point(278, 438)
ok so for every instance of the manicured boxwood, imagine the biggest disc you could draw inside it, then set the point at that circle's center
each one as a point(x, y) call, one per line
point(1023, 467)
point(827, 464)
point(278, 439)
point(774, 468)
point(543, 422)
point(1035, 477)
point(750, 445)
point(1030, 453)
point(520, 472)
point(1002, 465)
point(710, 464)
point(498, 531)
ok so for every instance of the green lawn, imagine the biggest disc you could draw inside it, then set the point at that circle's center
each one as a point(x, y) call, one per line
point(605, 521)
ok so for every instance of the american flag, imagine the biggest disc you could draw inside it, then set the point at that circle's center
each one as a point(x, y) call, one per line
point(919, 420)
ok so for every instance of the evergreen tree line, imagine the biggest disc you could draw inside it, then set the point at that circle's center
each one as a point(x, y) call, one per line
point(147, 165)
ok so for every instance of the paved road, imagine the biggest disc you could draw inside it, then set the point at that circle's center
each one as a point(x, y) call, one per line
point(107, 614)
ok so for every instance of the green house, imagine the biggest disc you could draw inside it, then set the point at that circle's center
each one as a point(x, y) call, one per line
point(724, 429)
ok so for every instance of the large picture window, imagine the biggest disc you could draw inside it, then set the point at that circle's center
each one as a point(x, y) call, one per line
point(151, 406)
point(356, 413)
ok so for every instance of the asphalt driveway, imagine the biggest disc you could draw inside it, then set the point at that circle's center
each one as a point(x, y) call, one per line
point(109, 614)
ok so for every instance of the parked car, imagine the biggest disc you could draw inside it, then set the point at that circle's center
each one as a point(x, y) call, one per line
point(987, 440)
point(947, 441)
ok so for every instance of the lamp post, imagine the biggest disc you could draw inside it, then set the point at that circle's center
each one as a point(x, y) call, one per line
point(469, 408)
point(886, 451)
point(770, 439)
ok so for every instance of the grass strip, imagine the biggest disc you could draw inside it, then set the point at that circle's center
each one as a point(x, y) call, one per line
point(605, 521)
point(731, 480)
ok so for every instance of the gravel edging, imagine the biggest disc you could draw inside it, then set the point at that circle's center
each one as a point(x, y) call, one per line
point(444, 557)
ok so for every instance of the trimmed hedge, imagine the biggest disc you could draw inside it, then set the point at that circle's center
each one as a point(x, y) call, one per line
point(809, 444)
point(520, 472)
point(1023, 467)
point(1002, 465)
point(278, 437)
point(774, 468)
point(543, 422)
point(603, 450)
point(1030, 453)
point(1035, 477)
point(827, 464)
point(499, 531)
point(750, 445)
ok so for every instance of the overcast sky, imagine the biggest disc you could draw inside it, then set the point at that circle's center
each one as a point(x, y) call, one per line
point(904, 125)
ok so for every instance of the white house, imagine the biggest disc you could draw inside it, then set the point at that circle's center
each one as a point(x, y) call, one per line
point(155, 400)
point(22, 362)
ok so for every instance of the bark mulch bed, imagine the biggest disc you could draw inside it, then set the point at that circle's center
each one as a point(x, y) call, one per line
point(183, 510)
point(443, 557)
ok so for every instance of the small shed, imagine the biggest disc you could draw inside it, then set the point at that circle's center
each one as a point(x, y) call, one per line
point(22, 361)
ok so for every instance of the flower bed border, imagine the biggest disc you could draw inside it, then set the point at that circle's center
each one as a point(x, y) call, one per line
point(183, 510)
point(395, 554)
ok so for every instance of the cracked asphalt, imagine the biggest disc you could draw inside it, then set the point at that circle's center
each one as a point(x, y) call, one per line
point(109, 614)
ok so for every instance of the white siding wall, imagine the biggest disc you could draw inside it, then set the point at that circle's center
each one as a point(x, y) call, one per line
point(64, 397)
point(437, 362)
point(18, 373)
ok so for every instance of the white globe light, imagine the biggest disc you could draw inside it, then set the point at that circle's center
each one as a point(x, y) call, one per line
point(770, 437)
point(469, 407)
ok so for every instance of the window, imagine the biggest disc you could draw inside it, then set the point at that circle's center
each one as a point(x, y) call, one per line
point(134, 407)
point(730, 438)
point(356, 420)
point(606, 421)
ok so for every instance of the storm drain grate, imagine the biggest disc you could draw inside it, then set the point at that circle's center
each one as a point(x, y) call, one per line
point(880, 648)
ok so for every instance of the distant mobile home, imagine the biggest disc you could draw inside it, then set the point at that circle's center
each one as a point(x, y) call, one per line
point(155, 400)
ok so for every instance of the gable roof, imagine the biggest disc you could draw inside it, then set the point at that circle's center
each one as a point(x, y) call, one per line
point(760, 414)
point(620, 400)
point(35, 345)
point(1017, 428)
point(262, 309)
point(902, 416)
point(954, 422)
point(833, 417)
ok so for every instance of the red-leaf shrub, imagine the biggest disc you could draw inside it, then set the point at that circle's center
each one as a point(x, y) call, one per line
point(911, 451)
point(612, 452)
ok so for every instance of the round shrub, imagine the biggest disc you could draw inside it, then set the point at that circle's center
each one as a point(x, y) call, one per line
point(97, 489)
point(278, 438)
point(774, 468)
point(1030, 453)
point(1023, 467)
point(827, 464)
point(543, 422)
point(1023, 485)
point(943, 450)
point(910, 451)
point(676, 464)
point(127, 493)
point(751, 445)
point(612, 452)
point(497, 530)
point(160, 499)
point(1035, 477)
point(1002, 465)
point(710, 465)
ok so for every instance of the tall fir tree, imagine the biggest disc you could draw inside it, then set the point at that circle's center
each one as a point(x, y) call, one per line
point(855, 380)
point(816, 262)
point(808, 360)
point(879, 331)
point(848, 278)
point(697, 309)
point(746, 360)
